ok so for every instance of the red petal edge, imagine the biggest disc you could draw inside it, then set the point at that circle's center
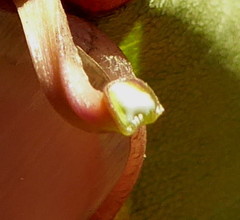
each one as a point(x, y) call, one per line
point(115, 199)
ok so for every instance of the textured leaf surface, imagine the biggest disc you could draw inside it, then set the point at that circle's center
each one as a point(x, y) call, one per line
point(189, 52)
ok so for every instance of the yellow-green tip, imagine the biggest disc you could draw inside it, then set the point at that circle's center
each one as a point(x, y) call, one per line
point(132, 103)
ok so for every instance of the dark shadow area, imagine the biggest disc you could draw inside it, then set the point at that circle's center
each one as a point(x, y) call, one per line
point(193, 157)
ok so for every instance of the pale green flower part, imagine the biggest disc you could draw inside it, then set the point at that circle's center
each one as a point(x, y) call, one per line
point(132, 103)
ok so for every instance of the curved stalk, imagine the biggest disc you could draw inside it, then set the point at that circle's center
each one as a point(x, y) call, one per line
point(60, 69)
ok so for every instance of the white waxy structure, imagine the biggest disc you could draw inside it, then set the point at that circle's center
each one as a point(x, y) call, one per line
point(133, 104)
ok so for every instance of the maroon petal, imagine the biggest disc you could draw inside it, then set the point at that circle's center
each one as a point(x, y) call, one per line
point(51, 170)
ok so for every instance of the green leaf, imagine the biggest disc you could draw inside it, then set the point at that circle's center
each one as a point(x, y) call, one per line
point(189, 53)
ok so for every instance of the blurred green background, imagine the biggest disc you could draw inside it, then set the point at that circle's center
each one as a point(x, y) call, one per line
point(189, 52)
